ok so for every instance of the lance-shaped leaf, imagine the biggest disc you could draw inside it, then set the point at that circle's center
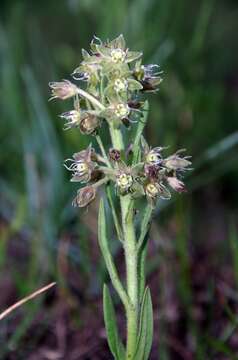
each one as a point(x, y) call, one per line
point(104, 246)
point(139, 130)
point(146, 328)
point(145, 224)
point(114, 341)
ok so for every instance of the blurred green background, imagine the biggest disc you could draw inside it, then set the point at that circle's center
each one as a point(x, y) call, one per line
point(193, 255)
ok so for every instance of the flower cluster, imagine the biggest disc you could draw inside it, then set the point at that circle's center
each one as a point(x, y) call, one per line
point(112, 83)
point(154, 176)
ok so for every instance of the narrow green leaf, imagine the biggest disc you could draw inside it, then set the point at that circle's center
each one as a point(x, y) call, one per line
point(114, 214)
point(146, 328)
point(145, 224)
point(139, 130)
point(104, 246)
point(114, 341)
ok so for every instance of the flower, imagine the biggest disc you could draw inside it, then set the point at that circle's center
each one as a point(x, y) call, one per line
point(81, 165)
point(124, 181)
point(72, 117)
point(121, 110)
point(115, 51)
point(153, 157)
point(155, 190)
point(116, 110)
point(118, 55)
point(124, 178)
point(177, 162)
point(84, 196)
point(176, 184)
point(120, 85)
point(63, 90)
point(148, 76)
point(152, 190)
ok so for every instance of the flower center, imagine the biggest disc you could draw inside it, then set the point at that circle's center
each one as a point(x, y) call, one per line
point(122, 110)
point(120, 85)
point(151, 190)
point(124, 181)
point(118, 55)
point(82, 167)
point(152, 157)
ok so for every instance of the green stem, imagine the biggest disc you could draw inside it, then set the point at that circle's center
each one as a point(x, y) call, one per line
point(103, 151)
point(131, 272)
point(91, 98)
point(130, 257)
point(116, 136)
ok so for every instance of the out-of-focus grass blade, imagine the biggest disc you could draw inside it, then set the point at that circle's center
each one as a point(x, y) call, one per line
point(233, 237)
point(220, 347)
point(203, 20)
point(218, 149)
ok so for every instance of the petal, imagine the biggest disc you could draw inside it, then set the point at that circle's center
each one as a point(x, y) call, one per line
point(133, 55)
point(134, 85)
point(164, 192)
point(119, 42)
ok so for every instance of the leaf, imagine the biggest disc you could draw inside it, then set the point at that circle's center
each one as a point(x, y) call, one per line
point(139, 130)
point(146, 328)
point(145, 224)
point(114, 341)
point(104, 246)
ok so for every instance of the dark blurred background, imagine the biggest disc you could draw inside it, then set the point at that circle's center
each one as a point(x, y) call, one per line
point(193, 255)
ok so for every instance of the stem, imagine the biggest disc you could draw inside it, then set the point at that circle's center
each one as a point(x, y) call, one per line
point(130, 256)
point(100, 182)
point(116, 136)
point(100, 144)
point(131, 272)
point(91, 98)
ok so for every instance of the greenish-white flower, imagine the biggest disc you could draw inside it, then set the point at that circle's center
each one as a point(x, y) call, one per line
point(122, 110)
point(124, 181)
point(120, 85)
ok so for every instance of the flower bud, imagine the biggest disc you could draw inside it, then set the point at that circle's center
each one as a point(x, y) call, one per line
point(89, 123)
point(114, 154)
point(84, 196)
point(63, 90)
point(176, 184)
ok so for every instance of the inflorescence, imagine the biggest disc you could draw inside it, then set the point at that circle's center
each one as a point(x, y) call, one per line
point(113, 80)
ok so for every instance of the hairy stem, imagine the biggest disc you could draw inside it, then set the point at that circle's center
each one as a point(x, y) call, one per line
point(103, 151)
point(91, 98)
point(130, 257)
